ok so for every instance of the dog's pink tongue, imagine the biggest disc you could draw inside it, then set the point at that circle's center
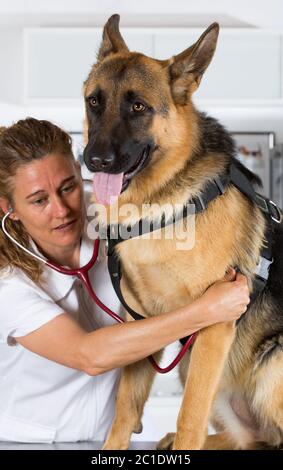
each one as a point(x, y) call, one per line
point(107, 186)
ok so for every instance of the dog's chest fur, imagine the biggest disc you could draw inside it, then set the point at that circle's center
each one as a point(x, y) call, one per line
point(163, 277)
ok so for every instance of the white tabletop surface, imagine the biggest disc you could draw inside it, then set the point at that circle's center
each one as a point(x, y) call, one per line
point(86, 445)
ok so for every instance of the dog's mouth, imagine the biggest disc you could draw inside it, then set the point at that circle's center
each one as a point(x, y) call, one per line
point(136, 168)
point(107, 187)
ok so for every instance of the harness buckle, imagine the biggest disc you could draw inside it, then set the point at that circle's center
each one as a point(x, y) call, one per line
point(262, 268)
point(269, 207)
point(278, 214)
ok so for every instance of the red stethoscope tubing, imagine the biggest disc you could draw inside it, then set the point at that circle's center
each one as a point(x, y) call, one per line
point(82, 274)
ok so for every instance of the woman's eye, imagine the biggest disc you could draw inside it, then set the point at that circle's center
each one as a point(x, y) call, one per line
point(138, 107)
point(93, 102)
point(39, 202)
point(68, 189)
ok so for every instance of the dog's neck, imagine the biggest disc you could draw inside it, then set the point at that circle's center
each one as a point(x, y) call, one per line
point(202, 150)
point(182, 173)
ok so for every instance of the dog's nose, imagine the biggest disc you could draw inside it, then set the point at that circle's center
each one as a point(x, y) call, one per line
point(101, 163)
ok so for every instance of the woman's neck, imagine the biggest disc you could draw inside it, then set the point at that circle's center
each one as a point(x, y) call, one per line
point(64, 256)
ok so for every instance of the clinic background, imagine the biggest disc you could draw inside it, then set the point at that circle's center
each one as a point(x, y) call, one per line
point(47, 49)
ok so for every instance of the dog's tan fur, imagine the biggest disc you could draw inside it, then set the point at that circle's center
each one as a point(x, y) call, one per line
point(229, 232)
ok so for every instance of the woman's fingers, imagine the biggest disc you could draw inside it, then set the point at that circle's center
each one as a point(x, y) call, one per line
point(241, 278)
point(230, 275)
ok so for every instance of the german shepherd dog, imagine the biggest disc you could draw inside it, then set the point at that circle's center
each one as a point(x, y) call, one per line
point(146, 143)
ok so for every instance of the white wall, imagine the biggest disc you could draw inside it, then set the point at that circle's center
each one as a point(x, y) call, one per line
point(22, 13)
point(255, 12)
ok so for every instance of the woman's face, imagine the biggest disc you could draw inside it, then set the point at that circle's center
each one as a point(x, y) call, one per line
point(48, 200)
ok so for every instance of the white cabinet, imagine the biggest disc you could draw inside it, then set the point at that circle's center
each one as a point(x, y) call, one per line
point(246, 64)
point(58, 60)
point(47, 65)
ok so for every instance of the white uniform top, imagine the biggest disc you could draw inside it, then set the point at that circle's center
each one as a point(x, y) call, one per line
point(40, 400)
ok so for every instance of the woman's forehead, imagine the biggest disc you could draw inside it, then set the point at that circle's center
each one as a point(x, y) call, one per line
point(47, 172)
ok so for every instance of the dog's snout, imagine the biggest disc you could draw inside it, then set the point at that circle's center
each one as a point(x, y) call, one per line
point(101, 163)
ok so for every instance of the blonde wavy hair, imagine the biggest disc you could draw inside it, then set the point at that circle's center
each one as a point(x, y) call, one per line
point(25, 141)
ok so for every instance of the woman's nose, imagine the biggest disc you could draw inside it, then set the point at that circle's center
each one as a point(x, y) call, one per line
point(59, 208)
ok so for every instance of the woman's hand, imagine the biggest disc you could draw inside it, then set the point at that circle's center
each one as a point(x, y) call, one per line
point(228, 299)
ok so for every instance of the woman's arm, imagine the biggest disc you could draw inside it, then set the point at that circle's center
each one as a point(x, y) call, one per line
point(63, 340)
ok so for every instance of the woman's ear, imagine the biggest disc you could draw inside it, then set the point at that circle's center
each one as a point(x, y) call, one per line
point(5, 205)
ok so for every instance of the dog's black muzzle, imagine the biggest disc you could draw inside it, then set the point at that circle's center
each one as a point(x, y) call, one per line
point(130, 160)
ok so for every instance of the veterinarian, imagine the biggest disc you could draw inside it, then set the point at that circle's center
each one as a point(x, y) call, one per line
point(60, 354)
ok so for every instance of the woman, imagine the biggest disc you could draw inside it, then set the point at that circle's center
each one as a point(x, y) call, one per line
point(59, 352)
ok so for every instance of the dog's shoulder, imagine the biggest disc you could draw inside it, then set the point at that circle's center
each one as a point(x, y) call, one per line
point(216, 139)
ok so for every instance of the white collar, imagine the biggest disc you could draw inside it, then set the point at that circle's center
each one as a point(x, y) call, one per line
point(56, 284)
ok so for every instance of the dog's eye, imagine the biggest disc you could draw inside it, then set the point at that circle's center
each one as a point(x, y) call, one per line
point(138, 107)
point(93, 102)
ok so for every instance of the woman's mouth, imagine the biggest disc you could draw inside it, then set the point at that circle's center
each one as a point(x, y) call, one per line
point(65, 227)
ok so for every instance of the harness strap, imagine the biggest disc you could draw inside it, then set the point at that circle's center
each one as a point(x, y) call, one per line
point(272, 215)
point(241, 182)
point(212, 189)
point(114, 268)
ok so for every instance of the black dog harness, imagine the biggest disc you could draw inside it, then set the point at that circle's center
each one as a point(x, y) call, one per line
point(212, 190)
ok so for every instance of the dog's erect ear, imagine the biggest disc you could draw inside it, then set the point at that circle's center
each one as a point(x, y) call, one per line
point(112, 40)
point(188, 67)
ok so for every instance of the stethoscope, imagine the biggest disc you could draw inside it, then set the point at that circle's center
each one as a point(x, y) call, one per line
point(82, 274)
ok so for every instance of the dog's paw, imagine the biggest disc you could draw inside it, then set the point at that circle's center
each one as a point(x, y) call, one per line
point(187, 442)
point(138, 428)
point(166, 442)
point(115, 444)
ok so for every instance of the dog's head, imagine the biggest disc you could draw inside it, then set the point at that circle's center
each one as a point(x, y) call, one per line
point(139, 114)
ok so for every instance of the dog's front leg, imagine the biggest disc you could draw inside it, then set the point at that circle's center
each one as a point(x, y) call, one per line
point(208, 357)
point(133, 391)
